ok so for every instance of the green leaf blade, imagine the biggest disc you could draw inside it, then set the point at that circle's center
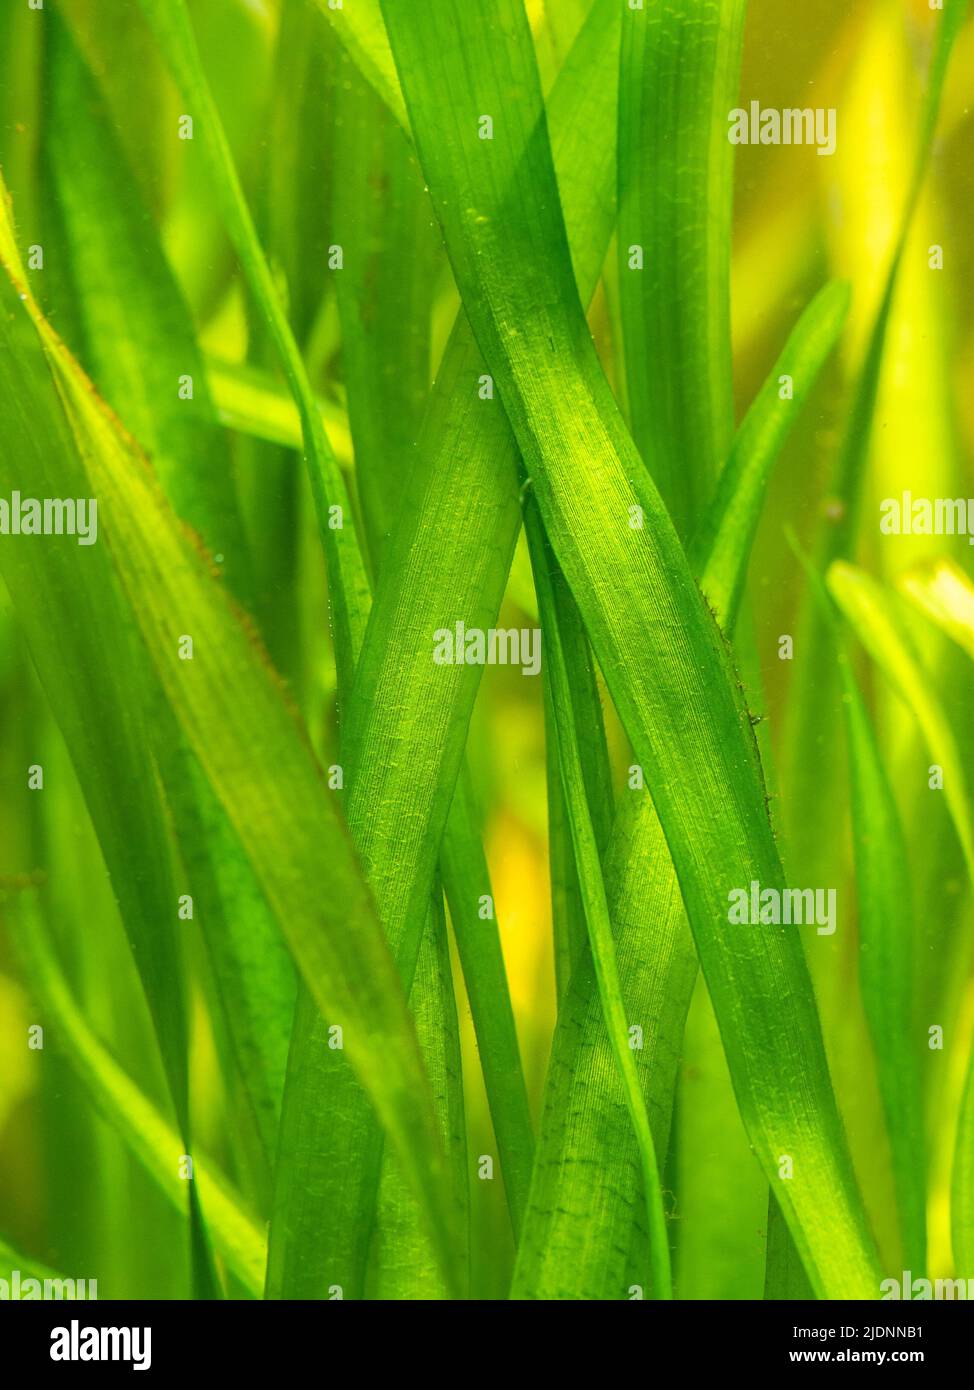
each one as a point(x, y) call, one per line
point(584, 466)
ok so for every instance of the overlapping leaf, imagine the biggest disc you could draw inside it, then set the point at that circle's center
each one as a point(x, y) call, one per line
point(518, 289)
point(246, 740)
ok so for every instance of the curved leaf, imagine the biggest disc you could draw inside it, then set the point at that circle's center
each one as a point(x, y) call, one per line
point(659, 650)
point(678, 55)
point(153, 1142)
point(348, 588)
point(250, 747)
point(873, 613)
point(725, 534)
point(594, 905)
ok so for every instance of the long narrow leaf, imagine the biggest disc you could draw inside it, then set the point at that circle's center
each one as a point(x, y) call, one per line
point(585, 1172)
point(810, 780)
point(588, 478)
point(141, 344)
point(727, 528)
point(873, 614)
point(171, 24)
point(946, 595)
point(404, 738)
point(886, 952)
point(595, 906)
point(252, 751)
point(680, 55)
point(153, 1142)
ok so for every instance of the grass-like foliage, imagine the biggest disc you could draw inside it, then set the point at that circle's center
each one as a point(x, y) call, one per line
point(347, 348)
